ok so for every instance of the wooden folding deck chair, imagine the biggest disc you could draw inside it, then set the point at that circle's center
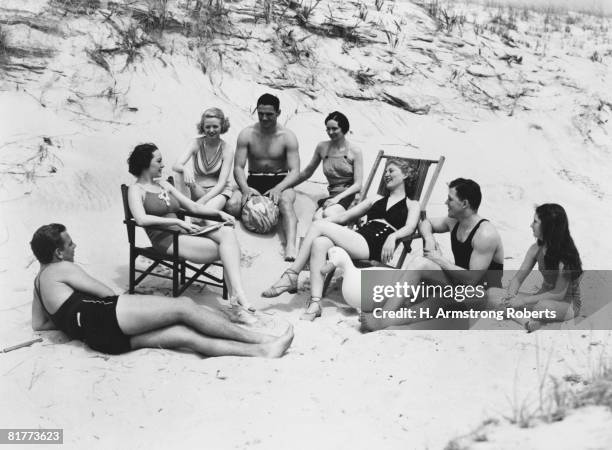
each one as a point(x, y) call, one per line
point(179, 266)
point(422, 167)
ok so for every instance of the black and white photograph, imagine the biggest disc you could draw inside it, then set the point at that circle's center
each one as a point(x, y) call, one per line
point(306, 224)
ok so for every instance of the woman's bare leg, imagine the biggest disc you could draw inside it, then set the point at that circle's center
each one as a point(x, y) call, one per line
point(137, 314)
point(354, 243)
point(563, 311)
point(333, 210)
point(178, 337)
point(229, 252)
point(318, 257)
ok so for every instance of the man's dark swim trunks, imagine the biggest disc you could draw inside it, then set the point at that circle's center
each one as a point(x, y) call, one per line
point(263, 182)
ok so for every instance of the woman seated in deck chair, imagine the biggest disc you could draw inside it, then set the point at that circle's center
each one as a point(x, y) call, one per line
point(342, 166)
point(558, 261)
point(155, 202)
point(204, 170)
point(69, 299)
point(389, 218)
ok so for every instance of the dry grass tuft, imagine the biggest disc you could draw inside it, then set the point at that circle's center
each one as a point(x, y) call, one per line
point(445, 18)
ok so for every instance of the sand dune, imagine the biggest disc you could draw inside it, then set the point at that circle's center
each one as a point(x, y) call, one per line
point(529, 133)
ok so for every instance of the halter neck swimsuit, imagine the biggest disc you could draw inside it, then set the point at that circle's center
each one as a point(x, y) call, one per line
point(161, 204)
point(376, 232)
point(339, 171)
point(208, 170)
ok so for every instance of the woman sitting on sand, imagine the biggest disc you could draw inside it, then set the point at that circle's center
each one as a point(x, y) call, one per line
point(389, 218)
point(558, 261)
point(68, 299)
point(205, 169)
point(155, 202)
point(342, 166)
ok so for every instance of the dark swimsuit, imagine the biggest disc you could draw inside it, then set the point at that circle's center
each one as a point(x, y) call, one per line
point(376, 232)
point(263, 182)
point(90, 319)
point(463, 252)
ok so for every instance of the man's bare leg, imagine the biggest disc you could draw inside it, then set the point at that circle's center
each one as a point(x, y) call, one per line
point(289, 219)
point(139, 314)
point(182, 337)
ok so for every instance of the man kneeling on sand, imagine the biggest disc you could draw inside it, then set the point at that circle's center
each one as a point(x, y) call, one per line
point(478, 261)
point(68, 299)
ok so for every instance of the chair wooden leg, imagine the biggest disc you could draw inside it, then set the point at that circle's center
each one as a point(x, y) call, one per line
point(132, 271)
point(183, 276)
point(175, 277)
point(327, 281)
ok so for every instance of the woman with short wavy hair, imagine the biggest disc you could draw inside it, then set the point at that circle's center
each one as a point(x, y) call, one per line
point(204, 170)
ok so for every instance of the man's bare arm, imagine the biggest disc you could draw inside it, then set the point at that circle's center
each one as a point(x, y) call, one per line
point(240, 160)
point(79, 280)
point(293, 162)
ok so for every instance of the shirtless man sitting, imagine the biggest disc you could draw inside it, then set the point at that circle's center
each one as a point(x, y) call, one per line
point(274, 166)
point(69, 299)
point(477, 250)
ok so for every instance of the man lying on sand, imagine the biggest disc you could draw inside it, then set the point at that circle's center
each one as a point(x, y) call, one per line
point(477, 250)
point(274, 166)
point(68, 299)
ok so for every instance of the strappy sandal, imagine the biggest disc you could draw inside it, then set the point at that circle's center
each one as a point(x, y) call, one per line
point(310, 316)
point(291, 287)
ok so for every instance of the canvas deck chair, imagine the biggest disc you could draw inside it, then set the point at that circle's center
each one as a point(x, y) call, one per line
point(181, 279)
point(422, 167)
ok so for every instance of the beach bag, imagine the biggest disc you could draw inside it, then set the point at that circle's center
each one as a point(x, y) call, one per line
point(259, 214)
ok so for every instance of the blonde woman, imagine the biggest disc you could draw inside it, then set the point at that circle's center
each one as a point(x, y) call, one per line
point(203, 171)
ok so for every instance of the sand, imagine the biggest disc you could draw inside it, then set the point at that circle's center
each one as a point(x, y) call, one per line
point(533, 132)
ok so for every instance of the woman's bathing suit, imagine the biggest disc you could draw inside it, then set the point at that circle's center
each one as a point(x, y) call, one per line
point(210, 169)
point(161, 204)
point(339, 171)
point(376, 232)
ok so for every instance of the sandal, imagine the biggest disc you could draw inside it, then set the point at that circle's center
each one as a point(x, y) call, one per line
point(310, 316)
point(277, 289)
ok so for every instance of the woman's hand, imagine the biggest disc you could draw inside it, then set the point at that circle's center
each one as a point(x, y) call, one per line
point(188, 176)
point(186, 226)
point(388, 249)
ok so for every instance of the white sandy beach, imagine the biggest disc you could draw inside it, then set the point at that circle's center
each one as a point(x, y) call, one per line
point(529, 133)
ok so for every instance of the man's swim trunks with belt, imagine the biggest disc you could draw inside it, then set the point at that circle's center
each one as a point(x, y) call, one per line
point(263, 182)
